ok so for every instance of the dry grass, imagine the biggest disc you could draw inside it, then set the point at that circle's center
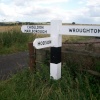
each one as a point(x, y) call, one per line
point(9, 28)
point(65, 38)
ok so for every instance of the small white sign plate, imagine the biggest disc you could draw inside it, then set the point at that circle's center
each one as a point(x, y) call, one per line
point(40, 29)
point(80, 30)
point(40, 43)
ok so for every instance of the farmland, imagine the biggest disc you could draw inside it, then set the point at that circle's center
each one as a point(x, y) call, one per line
point(36, 85)
point(9, 28)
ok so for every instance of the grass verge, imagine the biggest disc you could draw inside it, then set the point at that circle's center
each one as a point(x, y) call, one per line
point(27, 85)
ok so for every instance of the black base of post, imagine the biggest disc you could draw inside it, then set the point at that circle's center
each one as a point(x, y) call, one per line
point(55, 55)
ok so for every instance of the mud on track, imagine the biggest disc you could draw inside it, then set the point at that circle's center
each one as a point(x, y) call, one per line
point(11, 63)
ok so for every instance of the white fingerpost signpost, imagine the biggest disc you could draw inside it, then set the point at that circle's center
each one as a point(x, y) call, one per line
point(56, 30)
point(55, 64)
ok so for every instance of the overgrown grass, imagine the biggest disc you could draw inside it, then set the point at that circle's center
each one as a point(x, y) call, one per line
point(27, 85)
point(14, 41)
point(37, 85)
point(68, 38)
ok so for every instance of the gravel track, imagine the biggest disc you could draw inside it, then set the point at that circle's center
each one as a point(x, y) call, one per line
point(12, 63)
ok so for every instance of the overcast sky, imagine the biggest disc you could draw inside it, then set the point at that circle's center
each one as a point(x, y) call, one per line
point(79, 11)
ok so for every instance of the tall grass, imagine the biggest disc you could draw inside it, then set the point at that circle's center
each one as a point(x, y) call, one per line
point(14, 41)
point(37, 85)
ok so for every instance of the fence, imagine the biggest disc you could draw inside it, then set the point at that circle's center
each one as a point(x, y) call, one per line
point(79, 55)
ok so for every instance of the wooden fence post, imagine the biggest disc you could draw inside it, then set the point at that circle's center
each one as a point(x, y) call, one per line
point(32, 56)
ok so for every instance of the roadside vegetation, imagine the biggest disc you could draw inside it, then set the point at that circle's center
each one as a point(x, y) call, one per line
point(26, 85)
point(37, 85)
point(13, 40)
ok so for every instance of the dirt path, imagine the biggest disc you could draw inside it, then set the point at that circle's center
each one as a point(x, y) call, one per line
point(12, 63)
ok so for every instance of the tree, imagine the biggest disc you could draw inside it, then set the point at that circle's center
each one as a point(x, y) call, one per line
point(73, 22)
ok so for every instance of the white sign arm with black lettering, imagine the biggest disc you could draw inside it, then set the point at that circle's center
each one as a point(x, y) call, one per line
point(40, 43)
point(82, 30)
point(36, 29)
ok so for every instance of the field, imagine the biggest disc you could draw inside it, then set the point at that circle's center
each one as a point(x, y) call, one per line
point(9, 28)
point(37, 85)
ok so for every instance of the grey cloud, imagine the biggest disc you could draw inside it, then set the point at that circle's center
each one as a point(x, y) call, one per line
point(41, 11)
point(1, 12)
point(22, 2)
point(36, 12)
point(94, 11)
point(85, 20)
point(94, 8)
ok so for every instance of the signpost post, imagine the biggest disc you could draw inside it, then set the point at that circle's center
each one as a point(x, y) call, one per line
point(56, 30)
